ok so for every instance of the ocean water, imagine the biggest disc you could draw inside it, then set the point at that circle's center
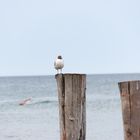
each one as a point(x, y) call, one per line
point(39, 119)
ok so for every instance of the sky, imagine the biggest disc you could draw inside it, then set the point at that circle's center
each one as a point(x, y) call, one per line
point(93, 36)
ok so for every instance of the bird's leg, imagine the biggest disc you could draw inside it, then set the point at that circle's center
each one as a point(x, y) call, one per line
point(57, 71)
point(60, 70)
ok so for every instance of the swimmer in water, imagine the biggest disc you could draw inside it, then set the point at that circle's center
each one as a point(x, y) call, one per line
point(25, 101)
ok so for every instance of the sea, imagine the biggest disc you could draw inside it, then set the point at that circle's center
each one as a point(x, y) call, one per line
point(39, 118)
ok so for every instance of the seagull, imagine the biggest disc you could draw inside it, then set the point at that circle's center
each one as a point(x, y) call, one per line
point(59, 64)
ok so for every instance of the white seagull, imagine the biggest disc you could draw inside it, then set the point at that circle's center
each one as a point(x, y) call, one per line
point(59, 64)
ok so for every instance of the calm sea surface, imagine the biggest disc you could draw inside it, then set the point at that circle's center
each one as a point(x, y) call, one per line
point(39, 119)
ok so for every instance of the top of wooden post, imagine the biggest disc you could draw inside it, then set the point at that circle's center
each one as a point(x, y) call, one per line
point(66, 74)
point(124, 82)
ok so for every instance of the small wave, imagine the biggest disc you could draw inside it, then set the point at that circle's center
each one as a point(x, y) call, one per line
point(39, 100)
point(50, 99)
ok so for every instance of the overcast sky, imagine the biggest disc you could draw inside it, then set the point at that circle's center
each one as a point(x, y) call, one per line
point(93, 36)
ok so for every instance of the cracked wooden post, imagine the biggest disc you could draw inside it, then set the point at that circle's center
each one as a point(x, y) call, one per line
point(130, 98)
point(72, 106)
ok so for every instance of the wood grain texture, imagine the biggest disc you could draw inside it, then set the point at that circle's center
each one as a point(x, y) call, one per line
point(130, 98)
point(72, 106)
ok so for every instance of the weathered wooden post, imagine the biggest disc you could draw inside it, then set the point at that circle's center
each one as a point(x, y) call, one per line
point(130, 97)
point(72, 106)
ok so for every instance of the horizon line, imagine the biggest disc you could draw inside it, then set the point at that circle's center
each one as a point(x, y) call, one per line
point(37, 75)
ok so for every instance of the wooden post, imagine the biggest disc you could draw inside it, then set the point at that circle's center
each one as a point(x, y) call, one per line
point(130, 97)
point(72, 106)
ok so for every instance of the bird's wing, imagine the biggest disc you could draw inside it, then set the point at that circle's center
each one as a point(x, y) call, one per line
point(54, 63)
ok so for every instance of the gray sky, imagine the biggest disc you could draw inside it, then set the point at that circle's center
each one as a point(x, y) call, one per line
point(93, 36)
